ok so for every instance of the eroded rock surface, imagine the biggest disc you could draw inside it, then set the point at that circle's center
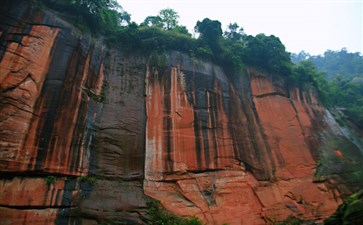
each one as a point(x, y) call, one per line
point(217, 145)
point(88, 132)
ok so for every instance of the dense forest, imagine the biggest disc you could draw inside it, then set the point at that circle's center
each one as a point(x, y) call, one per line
point(344, 75)
point(336, 76)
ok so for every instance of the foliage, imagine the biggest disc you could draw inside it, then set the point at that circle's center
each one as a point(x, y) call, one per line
point(210, 32)
point(102, 97)
point(99, 16)
point(91, 179)
point(159, 34)
point(159, 216)
point(167, 19)
point(156, 39)
point(306, 76)
point(291, 220)
point(152, 21)
point(234, 32)
point(348, 213)
point(339, 63)
point(49, 180)
point(103, 94)
point(347, 94)
point(301, 56)
point(157, 59)
point(267, 52)
point(344, 88)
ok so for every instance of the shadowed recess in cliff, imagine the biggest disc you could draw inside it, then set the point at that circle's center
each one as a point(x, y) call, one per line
point(119, 140)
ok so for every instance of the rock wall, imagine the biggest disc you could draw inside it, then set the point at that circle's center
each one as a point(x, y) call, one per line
point(72, 124)
point(238, 144)
point(88, 132)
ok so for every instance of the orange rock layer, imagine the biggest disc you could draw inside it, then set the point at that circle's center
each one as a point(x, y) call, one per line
point(45, 103)
point(50, 88)
point(236, 149)
point(197, 164)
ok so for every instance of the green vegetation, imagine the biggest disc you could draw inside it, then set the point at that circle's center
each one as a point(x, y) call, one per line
point(167, 19)
point(96, 16)
point(103, 94)
point(348, 213)
point(159, 216)
point(49, 180)
point(91, 179)
point(344, 84)
point(231, 49)
point(291, 220)
point(269, 53)
point(234, 32)
point(347, 94)
point(335, 63)
point(157, 58)
point(102, 97)
point(306, 76)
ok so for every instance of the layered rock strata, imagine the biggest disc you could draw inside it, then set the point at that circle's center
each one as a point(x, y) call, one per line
point(89, 133)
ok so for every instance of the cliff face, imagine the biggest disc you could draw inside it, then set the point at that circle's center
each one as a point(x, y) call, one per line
point(88, 132)
point(232, 149)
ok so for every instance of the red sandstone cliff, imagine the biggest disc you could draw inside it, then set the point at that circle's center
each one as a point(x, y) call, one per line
point(228, 148)
point(211, 150)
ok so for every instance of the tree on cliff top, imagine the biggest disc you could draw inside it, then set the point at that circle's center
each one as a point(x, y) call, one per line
point(234, 32)
point(167, 19)
point(267, 52)
point(210, 32)
point(99, 16)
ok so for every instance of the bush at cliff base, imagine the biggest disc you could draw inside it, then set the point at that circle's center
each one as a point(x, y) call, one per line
point(348, 213)
point(159, 216)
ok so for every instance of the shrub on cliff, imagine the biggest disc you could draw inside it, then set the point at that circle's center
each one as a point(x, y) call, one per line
point(99, 16)
point(159, 216)
point(162, 33)
point(343, 80)
point(267, 52)
point(348, 213)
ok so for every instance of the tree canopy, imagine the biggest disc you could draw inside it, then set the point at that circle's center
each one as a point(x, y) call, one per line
point(210, 32)
point(267, 52)
point(234, 32)
point(231, 49)
point(335, 63)
point(343, 75)
point(169, 18)
point(98, 16)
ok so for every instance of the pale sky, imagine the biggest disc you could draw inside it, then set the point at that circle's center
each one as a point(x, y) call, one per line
point(310, 25)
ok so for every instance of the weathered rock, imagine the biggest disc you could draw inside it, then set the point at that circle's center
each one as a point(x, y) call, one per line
point(65, 112)
point(228, 148)
point(10, 216)
point(196, 164)
point(47, 76)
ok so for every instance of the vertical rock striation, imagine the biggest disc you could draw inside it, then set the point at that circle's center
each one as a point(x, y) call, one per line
point(71, 124)
point(243, 145)
point(87, 132)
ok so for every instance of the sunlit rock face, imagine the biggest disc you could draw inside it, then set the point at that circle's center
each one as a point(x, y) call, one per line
point(237, 149)
point(69, 108)
point(89, 133)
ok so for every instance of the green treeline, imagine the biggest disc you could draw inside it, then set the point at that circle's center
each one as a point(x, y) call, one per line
point(232, 49)
point(95, 16)
point(343, 72)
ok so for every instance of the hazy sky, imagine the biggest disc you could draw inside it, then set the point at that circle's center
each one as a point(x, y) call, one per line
point(310, 25)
